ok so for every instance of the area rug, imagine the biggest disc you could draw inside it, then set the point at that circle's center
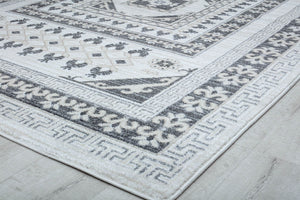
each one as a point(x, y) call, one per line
point(142, 94)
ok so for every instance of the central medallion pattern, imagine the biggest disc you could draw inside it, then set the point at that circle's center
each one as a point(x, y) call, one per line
point(161, 5)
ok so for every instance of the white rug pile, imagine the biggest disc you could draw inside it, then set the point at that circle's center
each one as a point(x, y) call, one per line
point(143, 94)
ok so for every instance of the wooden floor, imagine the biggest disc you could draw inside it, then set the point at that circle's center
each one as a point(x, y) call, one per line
point(263, 164)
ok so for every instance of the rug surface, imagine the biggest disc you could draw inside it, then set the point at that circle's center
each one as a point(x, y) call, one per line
point(142, 94)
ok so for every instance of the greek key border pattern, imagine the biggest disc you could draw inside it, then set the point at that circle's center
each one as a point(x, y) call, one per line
point(164, 128)
point(224, 120)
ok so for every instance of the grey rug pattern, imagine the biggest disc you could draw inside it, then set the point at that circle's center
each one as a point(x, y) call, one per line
point(142, 94)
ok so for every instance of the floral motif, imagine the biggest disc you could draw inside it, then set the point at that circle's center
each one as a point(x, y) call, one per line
point(244, 18)
point(55, 101)
point(206, 100)
point(177, 121)
point(217, 93)
point(192, 104)
point(148, 137)
point(283, 39)
point(114, 123)
point(82, 111)
point(262, 55)
point(164, 64)
point(99, 71)
point(229, 27)
point(243, 70)
point(237, 75)
point(212, 37)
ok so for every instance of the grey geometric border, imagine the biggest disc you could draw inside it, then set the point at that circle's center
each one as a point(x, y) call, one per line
point(272, 83)
point(223, 127)
point(190, 49)
point(128, 135)
point(154, 105)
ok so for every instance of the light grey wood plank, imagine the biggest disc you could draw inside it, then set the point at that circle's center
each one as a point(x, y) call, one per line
point(86, 187)
point(14, 158)
point(283, 184)
point(16, 163)
point(9, 149)
point(112, 193)
point(26, 183)
point(38, 180)
point(257, 173)
point(3, 140)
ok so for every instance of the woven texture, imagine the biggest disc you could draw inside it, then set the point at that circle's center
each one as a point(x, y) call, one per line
point(142, 94)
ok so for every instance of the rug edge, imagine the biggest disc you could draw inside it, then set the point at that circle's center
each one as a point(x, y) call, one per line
point(42, 151)
point(235, 138)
